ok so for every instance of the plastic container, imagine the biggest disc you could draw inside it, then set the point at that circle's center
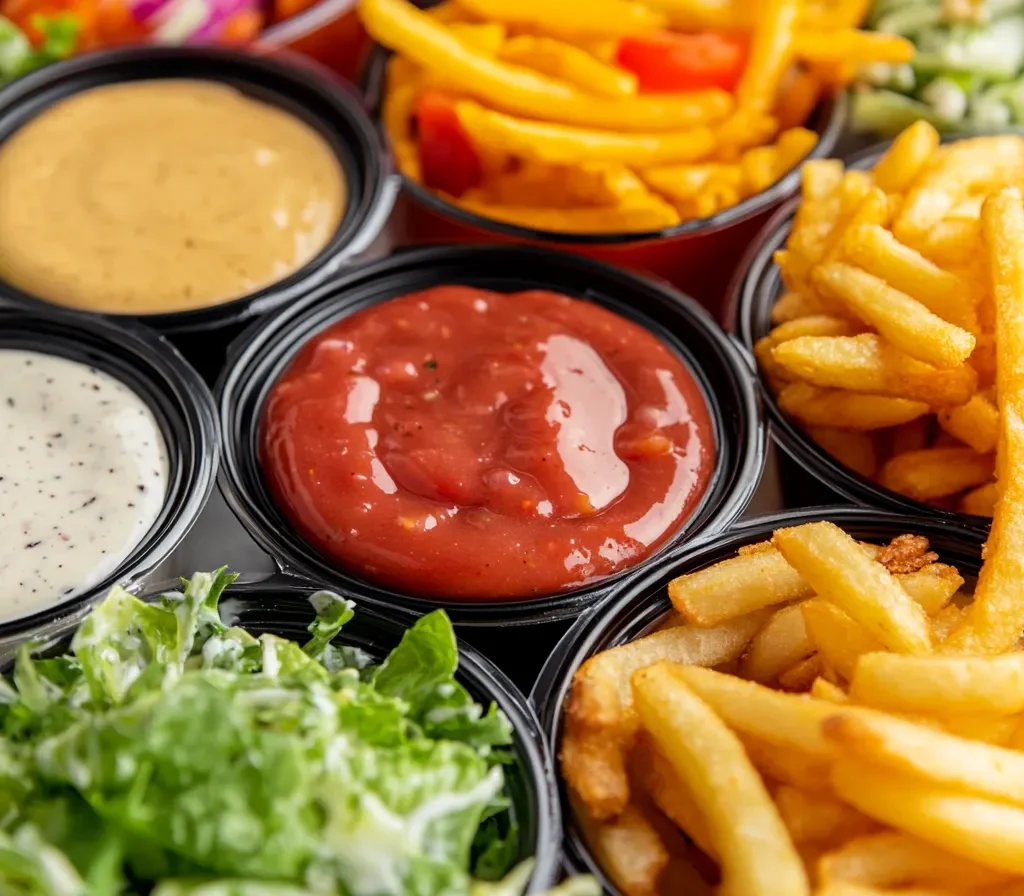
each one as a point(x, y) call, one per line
point(810, 475)
point(329, 32)
point(263, 353)
point(183, 407)
point(277, 605)
point(639, 605)
point(697, 257)
point(322, 103)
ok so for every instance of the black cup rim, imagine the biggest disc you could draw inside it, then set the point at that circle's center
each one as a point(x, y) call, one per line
point(635, 607)
point(829, 119)
point(284, 596)
point(751, 295)
point(183, 406)
point(741, 441)
point(329, 106)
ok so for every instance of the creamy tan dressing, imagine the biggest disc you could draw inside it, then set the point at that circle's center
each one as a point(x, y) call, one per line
point(158, 196)
point(83, 474)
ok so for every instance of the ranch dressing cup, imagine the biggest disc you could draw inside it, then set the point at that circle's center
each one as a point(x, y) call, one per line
point(109, 453)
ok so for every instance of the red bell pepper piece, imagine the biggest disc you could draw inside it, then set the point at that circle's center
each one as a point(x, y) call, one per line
point(672, 61)
point(448, 160)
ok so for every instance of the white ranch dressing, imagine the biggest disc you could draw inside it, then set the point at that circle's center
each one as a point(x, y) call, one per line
point(83, 475)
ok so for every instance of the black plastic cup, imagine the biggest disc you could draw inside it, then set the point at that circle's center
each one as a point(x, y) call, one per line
point(276, 605)
point(327, 105)
point(263, 353)
point(810, 475)
point(638, 606)
point(183, 407)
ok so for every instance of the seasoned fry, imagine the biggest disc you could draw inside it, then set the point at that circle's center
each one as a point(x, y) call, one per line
point(832, 563)
point(757, 855)
point(867, 363)
point(940, 685)
point(987, 832)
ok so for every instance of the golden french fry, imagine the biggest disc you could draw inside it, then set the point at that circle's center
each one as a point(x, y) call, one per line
point(759, 166)
point(565, 144)
point(780, 645)
point(871, 208)
point(987, 832)
point(646, 218)
point(798, 678)
point(935, 756)
point(897, 859)
point(771, 51)
point(569, 63)
point(798, 95)
point(736, 587)
point(684, 182)
point(878, 252)
point(906, 158)
point(940, 685)
point(867, 363)
point(813, 818)
point(628, 847)
point(932, 586)
point(980, 501)
point(967, 167)
point(997, 615)
point(912, 436)
point(655, 775)
point(791, 147)
point(787, 720)
point(791, 306)
point(812, 406)
point(822, 689)
point(903, 321)
point(613, 18)
point(989, 729)
point(840, 641)
point(933, 473)
point(785, 765)
point(851, 448)
point(838, 570)
point(600, 724)
point(851, 47)
point(399, 26)
point(757, 856)
point(815, 325)
point(775, 375)
point(975, 423)
point(944, 622)
point(951, 242)
point(487, 36)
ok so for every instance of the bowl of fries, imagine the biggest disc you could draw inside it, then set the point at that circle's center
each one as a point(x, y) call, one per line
point(645, 133)
point(819, 702)
point(875, 306)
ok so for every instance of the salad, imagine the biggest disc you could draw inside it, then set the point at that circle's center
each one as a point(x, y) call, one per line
point(170, 753)
point(967, 72)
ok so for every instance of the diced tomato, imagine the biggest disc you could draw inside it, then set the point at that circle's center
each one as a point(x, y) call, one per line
point(672, 61)
point(447, 158)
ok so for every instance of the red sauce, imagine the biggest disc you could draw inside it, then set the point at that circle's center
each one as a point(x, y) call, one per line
point(466, 444)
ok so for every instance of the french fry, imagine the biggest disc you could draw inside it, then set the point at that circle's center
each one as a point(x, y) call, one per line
point(832, 563)
point(799, 677)
point(997, 615)
point(987, 832)
point(799, 94)
point(600, 723)
point(944, 623)
point(912, 436)
point(853, 449)
point(792, 306)
point(401, 27)
point(487, 36)
point(646, 218)
point(975, 423)
point(612, 18)
point(629, 849)
point(822, 689)
point(905, 322)
point(906, 159)
point(946, 685)
point(932, 586)
point(815, 325)
point(784, 765)
point(812, 406)
point(569, 63)
point(950, 242)
point(897, 859)
point(980, 501)
point(840, 641)
point(781, 644)
point(787, 720)
point(867, 363)
point(878, 252)
point(757, 856)
point(813, 818)
point(935, 756)
point(682, 183)
point(988, 729)
point(937, 472)
point(771, 52)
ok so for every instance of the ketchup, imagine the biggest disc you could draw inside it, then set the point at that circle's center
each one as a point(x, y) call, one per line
point(473, 445)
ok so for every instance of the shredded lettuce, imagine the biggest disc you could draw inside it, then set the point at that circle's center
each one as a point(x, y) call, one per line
point(170, 752)
point(19, 57)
